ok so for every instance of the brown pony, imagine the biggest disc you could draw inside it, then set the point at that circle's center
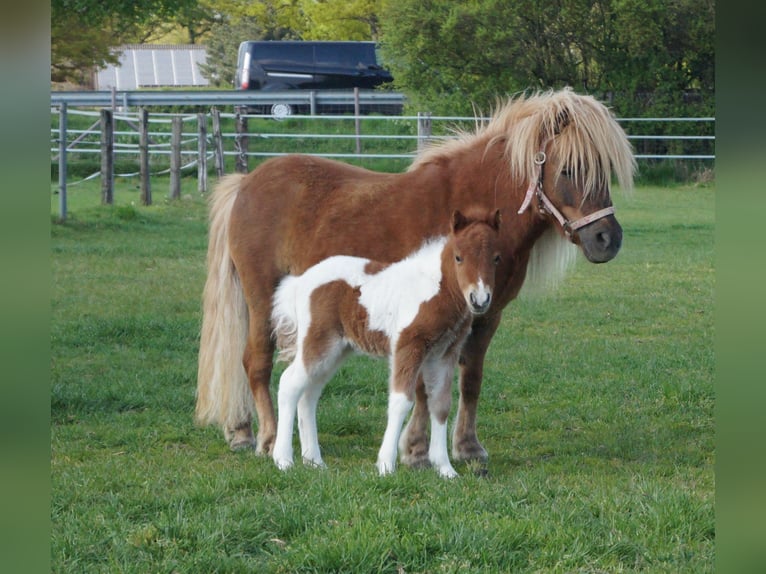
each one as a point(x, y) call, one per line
point(545, 161)
point(417, 312)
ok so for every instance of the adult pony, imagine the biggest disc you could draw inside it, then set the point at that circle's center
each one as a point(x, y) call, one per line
point(416, 311)
point(545, 160)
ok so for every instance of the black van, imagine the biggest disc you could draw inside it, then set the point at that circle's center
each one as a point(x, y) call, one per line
point(298, 65)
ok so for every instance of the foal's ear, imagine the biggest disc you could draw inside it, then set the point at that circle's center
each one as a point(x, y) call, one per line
point(495, 221)
point(459, 221)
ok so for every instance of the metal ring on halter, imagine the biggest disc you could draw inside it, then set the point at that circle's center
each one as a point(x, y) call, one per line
point(540, 158)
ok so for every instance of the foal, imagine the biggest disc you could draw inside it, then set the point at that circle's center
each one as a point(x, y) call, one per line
point(417, 311)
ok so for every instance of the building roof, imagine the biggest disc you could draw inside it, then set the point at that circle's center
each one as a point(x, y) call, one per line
point(154, 65)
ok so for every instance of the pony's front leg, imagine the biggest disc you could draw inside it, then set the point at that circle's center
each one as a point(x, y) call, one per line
point(439, 387)
point(465, 443)
point(398, 406)
point(292, 384)
point(413, 444)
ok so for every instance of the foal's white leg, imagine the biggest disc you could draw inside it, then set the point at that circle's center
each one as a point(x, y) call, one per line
point(398, 407)
point(292, 384)
point(307, 425)
point(437, 450)
point(321, 373)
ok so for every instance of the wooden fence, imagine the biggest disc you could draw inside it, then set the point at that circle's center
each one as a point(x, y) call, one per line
point(411, 133)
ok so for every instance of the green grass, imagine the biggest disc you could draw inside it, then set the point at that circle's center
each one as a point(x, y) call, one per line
point(597, 411)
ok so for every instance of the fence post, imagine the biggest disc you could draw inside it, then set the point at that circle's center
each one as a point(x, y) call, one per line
point(424, 129)
point(175, 157)
point(202, 153)
point(217, 142)
point(241, 141)
point(62, 161)
point(143, 156)
point(313, 102)
point(357, 121)
point(107, 157)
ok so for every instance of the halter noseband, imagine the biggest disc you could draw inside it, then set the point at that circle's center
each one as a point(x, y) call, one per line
point(546, 205)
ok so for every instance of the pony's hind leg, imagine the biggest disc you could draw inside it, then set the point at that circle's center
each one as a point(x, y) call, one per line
point(292, 385)
point(259, 362)
point(321, 373)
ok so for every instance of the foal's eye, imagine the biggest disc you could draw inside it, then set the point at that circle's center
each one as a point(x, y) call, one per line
point(458, 259)
point(567, 173)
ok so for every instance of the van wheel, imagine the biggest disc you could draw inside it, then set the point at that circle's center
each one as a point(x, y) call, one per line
point(281, 110)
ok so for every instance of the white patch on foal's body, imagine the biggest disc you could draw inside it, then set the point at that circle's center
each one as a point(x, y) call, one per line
point(391, 308)
point(392, 298)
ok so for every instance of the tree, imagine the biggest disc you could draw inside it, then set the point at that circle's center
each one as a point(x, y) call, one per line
point(451, 56)
point(83, 32)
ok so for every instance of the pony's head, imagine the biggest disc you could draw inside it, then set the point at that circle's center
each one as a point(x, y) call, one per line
point(566, 148)
point(473, 247)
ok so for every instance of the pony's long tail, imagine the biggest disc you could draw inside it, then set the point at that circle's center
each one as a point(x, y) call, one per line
point(223, 392)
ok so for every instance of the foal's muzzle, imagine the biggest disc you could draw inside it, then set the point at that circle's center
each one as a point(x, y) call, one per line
point(479, 301)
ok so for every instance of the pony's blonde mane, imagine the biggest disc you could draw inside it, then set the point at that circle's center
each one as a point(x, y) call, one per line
point(587, 139)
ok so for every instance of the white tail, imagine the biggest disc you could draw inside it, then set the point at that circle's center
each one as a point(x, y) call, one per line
point(223, 392)
point(284, 318)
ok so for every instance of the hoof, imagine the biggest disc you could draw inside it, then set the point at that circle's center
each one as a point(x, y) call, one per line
point(414, 453)
point(241, 438)
point(469, 451)
point(385, 468)
point(265, 446)
point(241, 445)
point(447, 472)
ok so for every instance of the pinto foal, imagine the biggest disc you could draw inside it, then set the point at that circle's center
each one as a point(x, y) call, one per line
point(417, 311)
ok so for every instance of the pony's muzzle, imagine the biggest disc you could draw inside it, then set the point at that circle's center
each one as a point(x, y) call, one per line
point(479, 300)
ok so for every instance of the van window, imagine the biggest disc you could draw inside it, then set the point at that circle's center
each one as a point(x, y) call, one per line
point(345, 55)
point(284, 55)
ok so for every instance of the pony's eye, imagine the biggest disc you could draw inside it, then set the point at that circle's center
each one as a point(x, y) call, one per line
point(458, 259)
point(567, 173)
point(496, 260)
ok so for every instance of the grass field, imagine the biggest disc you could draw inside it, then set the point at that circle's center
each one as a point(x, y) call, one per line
point(597, 411)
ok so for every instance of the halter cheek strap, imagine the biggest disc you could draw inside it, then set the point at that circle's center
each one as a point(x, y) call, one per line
point(536, 188)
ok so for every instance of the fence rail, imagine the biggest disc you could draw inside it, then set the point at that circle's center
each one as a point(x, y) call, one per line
point(308, 98)
point(144, 139)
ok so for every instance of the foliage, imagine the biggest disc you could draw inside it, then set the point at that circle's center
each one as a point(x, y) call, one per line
point(84, 32)
point(643, 57)
point(597, 410)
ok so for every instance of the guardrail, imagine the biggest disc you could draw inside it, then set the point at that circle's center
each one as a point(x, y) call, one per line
point(312, 100)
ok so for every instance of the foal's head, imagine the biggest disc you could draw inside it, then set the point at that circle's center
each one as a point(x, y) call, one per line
point(473, 245)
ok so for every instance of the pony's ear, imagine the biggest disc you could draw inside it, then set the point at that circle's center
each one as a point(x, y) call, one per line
point(459, 221)
point(496, 219)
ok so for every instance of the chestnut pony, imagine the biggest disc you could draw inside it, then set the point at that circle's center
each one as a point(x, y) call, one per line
point(417, 312)
point(545, 160)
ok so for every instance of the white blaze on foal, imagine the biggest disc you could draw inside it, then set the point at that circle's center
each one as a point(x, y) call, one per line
point(417, 311)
